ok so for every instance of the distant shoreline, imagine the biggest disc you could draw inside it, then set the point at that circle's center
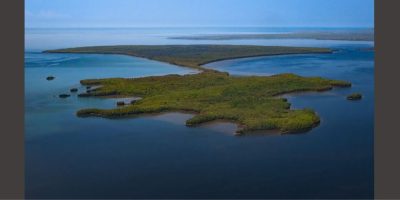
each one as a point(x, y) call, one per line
point(335, 35)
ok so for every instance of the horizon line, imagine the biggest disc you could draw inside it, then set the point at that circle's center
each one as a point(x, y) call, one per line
point(203, 26)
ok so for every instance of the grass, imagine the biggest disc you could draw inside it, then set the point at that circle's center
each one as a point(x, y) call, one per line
point(251, 101)
point(192, 56)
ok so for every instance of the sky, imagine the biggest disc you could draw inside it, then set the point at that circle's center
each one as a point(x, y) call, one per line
point(193, 13)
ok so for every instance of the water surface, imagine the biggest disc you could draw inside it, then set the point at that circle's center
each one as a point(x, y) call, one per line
point(159, 157)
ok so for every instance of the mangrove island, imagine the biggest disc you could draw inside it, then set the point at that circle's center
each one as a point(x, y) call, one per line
point(250, 101)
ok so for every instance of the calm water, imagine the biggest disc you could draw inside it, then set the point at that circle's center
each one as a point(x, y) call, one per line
point(159, 157)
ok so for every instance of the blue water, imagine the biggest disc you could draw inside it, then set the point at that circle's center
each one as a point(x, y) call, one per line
point(159, 157)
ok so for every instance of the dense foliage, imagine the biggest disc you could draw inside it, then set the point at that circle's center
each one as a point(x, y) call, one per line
point(250, 101)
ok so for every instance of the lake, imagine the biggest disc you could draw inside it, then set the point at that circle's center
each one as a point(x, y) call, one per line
point(157, 156)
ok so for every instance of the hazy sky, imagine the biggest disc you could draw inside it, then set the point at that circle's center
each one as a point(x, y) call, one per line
point(131, 13)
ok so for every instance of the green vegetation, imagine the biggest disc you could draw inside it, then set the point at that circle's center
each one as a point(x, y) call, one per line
point(251, 102)
point(354, 96)
point(192, 56)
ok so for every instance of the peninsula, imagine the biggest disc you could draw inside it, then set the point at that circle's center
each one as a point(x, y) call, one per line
point(193, 56)
point(250, 101)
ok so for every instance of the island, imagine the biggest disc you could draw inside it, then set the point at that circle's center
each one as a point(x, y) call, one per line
point(253, 102)
point(354, 96)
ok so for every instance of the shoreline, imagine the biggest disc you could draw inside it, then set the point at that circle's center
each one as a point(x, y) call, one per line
point(241, 127)
point(359, 36)
point(201, 65)
point(125, 54)
point(255, 56)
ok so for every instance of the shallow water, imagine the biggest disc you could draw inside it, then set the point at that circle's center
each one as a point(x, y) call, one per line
point(159, 157)
point(41, 95)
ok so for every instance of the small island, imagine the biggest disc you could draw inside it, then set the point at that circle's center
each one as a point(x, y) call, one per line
point(354, 96)
point(253, 102)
